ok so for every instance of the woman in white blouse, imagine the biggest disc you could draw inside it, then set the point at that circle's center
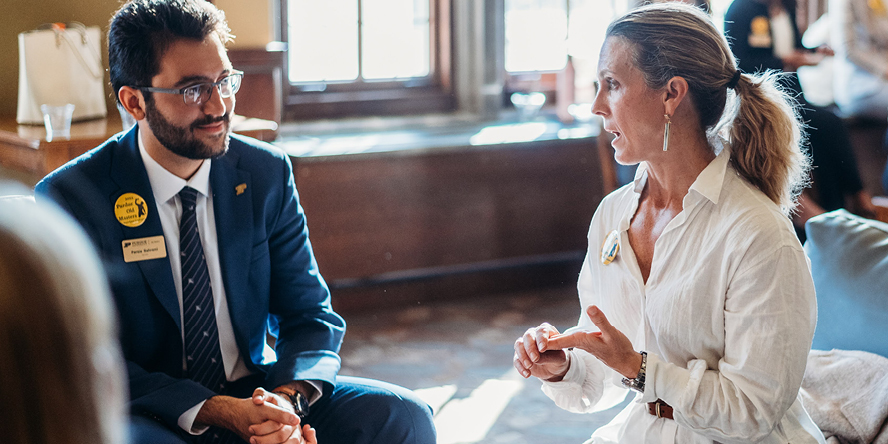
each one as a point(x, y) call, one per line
point(696, 291)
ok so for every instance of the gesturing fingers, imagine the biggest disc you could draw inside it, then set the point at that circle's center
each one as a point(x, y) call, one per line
point(598, 318)
point(534, 341)
point(533, 356)
point(575, 339)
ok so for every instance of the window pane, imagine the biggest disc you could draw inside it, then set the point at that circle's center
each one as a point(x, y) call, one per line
point(395, 38)
point(536, 35)
point(323, 40)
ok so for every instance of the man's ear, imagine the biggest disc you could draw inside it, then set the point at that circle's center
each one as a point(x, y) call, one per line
point(133, 101)
point(676, 90)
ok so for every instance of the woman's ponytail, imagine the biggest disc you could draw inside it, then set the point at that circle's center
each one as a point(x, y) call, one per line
point(766, 139)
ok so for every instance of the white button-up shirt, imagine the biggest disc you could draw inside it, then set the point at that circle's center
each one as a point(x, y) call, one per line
point(166, 187)
point(727, 317)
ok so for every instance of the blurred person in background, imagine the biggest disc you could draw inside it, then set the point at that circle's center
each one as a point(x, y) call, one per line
point(764, 36)
point(860, 34)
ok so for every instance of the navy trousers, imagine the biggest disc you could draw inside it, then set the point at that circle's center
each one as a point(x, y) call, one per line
point(359, 411)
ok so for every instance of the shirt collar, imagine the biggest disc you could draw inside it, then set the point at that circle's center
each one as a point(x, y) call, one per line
point(708, 183)
point(165, 184)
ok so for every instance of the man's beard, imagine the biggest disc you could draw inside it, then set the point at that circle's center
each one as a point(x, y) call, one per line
point(181, 140)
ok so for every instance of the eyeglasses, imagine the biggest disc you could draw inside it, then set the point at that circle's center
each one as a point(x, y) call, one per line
point(200, 93)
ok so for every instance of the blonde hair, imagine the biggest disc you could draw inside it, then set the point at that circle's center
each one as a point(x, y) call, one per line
point(62, 371)
point(758, 118)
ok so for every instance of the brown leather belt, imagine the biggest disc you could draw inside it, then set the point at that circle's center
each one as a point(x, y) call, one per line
point(660, 409)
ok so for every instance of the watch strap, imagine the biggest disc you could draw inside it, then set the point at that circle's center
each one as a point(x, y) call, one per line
point(637, 384)
point(299, 401)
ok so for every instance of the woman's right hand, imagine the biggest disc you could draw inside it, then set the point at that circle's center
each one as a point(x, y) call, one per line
point(533, 358)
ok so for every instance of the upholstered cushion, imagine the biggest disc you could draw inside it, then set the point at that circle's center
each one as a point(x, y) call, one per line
point(12, 191)
point(849, 261)
point(14, 198)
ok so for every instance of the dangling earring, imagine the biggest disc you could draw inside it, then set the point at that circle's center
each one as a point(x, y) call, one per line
point(666, 133)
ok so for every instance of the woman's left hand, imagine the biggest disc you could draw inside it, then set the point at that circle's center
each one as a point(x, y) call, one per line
point(609, 345)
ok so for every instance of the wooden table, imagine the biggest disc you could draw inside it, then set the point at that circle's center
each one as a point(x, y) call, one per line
point(25, 148)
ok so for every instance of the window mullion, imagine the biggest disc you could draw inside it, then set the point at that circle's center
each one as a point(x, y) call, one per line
point(360, 78)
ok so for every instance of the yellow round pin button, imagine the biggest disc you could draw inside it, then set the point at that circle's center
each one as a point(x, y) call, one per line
point(760, 25)
point(131, 210)
point(610, 248)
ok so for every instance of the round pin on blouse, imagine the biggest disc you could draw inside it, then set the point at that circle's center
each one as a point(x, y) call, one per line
point(610, 248)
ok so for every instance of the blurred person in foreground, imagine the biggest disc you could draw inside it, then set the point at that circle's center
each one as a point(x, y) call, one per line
point(696, 293)
point(207, 250)
point(62, 374)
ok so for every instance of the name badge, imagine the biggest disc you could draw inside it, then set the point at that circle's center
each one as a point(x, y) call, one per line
point(144, 248)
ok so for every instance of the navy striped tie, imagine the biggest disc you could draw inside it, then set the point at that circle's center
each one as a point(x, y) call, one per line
point(202, 354)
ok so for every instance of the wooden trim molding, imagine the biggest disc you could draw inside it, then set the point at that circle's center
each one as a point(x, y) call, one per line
point(262, 91)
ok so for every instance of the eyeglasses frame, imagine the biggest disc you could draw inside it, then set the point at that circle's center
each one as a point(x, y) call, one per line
point(181, 91)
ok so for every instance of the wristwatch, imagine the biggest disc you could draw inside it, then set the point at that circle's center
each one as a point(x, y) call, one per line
point(300, 403)
point(637, 384)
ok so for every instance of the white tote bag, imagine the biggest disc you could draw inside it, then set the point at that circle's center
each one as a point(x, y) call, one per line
point(59, 64)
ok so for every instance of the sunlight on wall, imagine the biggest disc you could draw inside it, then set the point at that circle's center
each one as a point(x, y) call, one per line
point(252, 23)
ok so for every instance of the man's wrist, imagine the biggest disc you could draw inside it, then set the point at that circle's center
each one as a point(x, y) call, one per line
point(295, 386)
point(215, 412)
point(297, 399)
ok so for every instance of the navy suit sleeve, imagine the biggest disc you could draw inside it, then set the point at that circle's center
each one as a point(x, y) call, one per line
point(309, 333)
point(159, 395)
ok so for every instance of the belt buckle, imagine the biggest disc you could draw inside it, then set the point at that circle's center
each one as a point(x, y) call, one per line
point(657, 408)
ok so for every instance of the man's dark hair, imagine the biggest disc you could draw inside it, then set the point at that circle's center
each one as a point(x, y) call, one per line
point(142, 30)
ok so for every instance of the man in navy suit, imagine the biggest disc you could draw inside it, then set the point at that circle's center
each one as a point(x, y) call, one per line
point(191, 220)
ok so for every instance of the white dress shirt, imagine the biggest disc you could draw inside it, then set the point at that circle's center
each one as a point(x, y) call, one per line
point(726, 316)
point(166, 187)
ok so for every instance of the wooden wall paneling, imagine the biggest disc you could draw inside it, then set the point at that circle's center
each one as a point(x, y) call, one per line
point(372, 215)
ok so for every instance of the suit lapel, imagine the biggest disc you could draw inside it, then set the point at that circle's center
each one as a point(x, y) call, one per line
point(128, 172)
point(233, 208)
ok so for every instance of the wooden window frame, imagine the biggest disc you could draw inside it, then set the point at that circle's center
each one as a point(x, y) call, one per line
point(430, 94)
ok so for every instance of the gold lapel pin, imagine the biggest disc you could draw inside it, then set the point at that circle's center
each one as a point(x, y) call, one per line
point(240, 188)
